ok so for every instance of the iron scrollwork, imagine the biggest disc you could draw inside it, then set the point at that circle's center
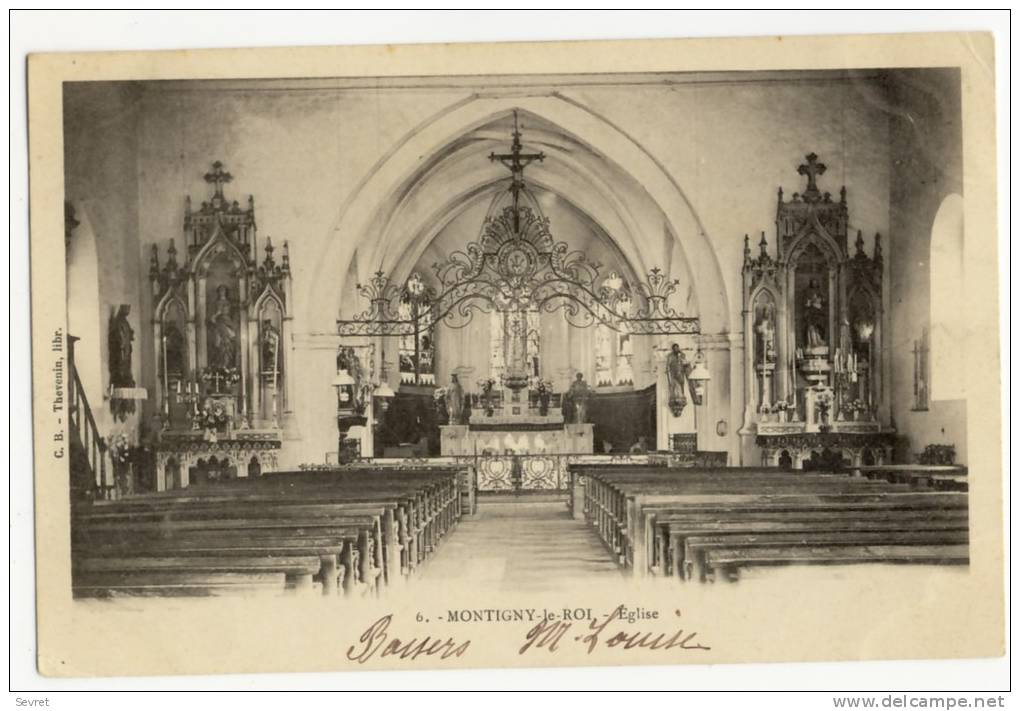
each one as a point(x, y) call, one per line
point(516, 265)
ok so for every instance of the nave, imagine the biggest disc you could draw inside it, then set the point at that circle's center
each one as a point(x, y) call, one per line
point(365, 530)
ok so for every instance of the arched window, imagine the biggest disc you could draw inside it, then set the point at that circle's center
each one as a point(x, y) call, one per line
point(418, 348)
point(614, 357)
point(948, 314)
point(603, 355)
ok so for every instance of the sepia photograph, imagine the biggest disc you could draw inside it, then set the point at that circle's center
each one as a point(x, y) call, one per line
point(516, 355)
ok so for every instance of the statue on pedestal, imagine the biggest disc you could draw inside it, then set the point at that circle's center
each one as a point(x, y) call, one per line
point(815, 317)
point(579, 393)
point(222, 332)
point(270, 349)
point(766, 329)
point(677, 370)
point(455, 400)
point(121, 337)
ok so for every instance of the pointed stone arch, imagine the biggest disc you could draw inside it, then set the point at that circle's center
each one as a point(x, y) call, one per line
point(364, 215)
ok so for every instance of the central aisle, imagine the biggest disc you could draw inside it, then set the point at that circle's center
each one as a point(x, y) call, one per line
point(522, 546)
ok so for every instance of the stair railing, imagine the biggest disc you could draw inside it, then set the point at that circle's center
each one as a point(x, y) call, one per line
point(85, 431)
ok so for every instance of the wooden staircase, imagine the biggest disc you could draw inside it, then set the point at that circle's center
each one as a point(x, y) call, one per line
point(91, 471)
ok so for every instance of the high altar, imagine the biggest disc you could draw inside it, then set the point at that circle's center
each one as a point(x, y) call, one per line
point(514, 273)
point(813, 314)
point(220, 325)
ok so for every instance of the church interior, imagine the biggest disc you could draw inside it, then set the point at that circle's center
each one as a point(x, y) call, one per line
point(318, 327)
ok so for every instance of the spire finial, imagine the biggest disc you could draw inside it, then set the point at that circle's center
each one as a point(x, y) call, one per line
point(812, 169)
point(217, 177)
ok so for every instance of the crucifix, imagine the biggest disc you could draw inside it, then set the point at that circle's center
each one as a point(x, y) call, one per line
point(516, 161)
point(216, 376)
point(812, 169)
point(217, 176)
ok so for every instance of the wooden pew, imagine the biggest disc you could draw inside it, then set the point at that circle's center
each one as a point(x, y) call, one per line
point(730, 561)
point(339, 549)
point(662, 520)
point(697, 547)
point(356, 524)
point(828, 506)
point(614, 498)
point(112, 574)
point(943, 477)
point(432, 517)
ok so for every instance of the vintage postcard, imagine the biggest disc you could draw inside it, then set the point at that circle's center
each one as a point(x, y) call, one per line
point(446, 356)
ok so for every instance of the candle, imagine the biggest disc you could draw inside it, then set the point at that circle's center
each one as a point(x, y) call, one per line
point(166, 380)
point(276, 376)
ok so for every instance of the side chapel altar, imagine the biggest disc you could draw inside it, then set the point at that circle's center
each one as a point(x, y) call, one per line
point(220, 322)
point(813, 336)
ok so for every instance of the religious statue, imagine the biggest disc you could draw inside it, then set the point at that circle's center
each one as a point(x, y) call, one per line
point(579, 393)
point(766, 329)
point(347, 359)
point(639, 447)
point(455, 400)
point(174, 351)
point(270, 349)
point(815, 317)
point(677, 370)
point(222, 332)
point(121, 337)
point(515, 345)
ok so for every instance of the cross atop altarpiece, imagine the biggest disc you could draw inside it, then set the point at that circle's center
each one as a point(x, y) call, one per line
point(516, 161)
point(812, 169)
point(217, 177)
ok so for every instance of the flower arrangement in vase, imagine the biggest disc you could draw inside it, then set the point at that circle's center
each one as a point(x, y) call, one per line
point(122, 454)
point(781, 409)
point(824, 406)
point(212, 417)
point(486, 385)
point(439, 400)
point(854, 409)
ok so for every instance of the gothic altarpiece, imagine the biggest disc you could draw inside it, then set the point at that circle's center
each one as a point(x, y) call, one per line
point(220, 324)
point(813, 336)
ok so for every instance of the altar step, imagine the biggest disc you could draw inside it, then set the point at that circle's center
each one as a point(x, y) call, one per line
point(522, 545)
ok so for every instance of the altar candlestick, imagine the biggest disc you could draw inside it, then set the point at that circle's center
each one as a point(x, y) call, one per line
point(276, 376)
point(166, 381)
